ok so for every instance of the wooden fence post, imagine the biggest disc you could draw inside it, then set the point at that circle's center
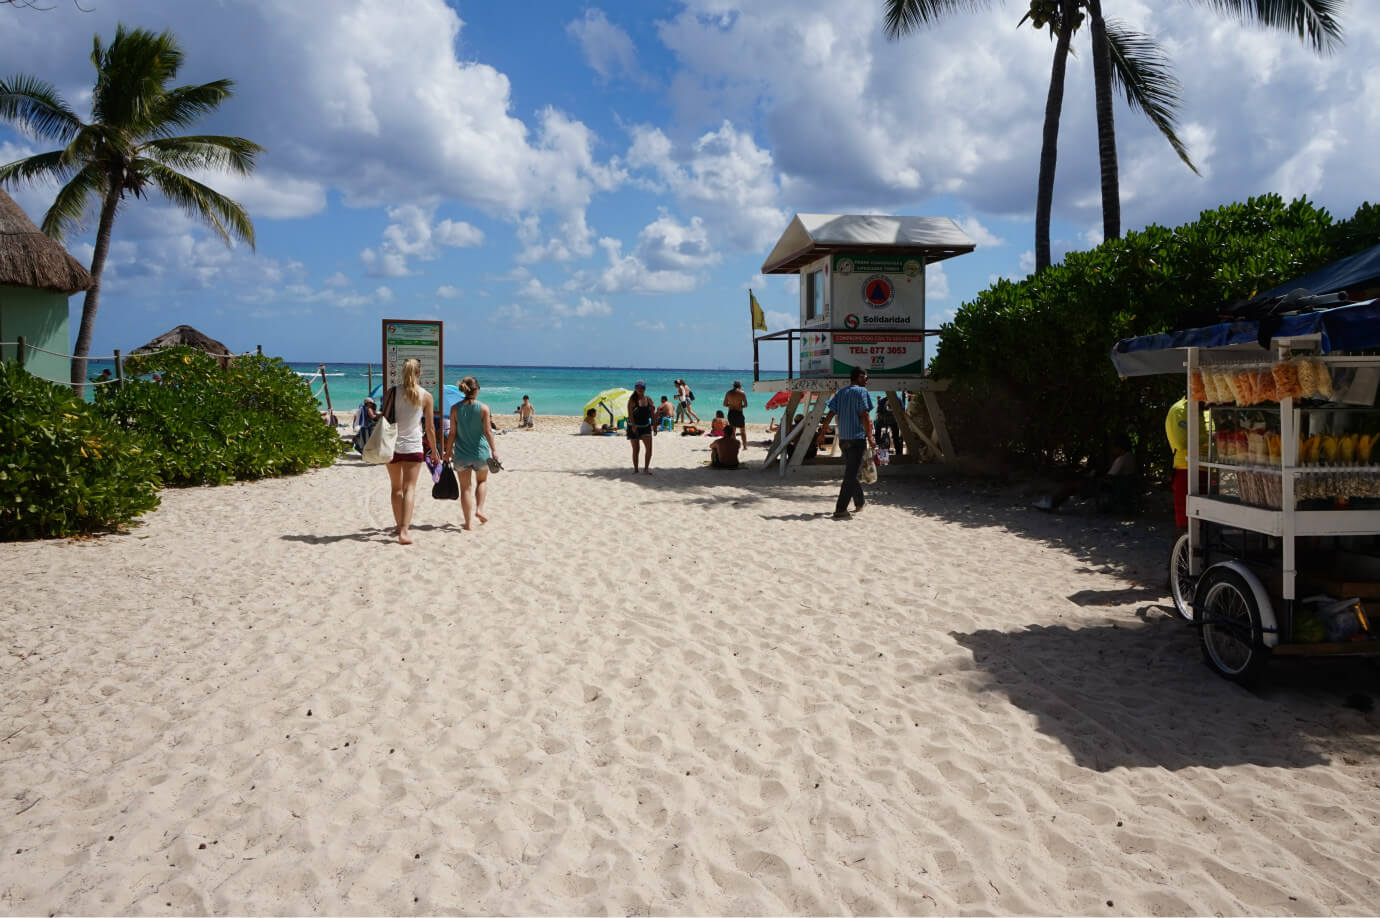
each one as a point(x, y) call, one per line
point(119, 371)
point(21, 352)
point(260, 349)
point(326, 390)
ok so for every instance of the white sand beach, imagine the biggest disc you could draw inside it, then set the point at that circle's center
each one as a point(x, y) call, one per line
point(689, 693)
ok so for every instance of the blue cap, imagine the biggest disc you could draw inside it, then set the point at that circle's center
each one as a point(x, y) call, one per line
point(639, 385)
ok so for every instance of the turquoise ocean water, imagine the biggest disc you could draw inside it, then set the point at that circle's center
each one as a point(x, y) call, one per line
point(554, 390)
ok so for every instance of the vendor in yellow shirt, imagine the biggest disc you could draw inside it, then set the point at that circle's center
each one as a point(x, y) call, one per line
point(1176, 432)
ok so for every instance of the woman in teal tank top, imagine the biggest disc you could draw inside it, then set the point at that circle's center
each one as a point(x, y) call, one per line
point(470, 446)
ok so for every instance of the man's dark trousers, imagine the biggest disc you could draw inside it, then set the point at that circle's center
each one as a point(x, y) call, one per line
point(852, 488)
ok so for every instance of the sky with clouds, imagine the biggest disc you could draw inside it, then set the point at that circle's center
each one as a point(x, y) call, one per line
point(599, 185)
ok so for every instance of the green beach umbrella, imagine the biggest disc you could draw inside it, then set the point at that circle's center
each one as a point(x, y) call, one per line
point(611, 402)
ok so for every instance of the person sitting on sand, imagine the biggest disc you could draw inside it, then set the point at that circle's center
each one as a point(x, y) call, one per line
point(590, 426)
point(527, 415)
point(1115, 487)
point(716, 426)
point(365, 419)
point(723, 452)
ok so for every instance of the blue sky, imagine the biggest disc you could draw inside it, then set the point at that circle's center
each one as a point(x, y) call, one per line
point(599, 184)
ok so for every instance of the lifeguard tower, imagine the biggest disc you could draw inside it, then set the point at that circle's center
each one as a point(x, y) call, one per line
point(862, 304)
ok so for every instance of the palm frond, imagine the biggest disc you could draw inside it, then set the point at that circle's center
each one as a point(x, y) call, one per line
point(131, 76)
point(206, 204)
point(1313, 21)
point(36, 108)
point(1141, 69)
point(71, 202)
point(185, 105)
point(37, 168)
point(901, 17)
point(206, 151)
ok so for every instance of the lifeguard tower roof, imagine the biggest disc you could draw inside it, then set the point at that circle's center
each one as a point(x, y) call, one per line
point(811, 236)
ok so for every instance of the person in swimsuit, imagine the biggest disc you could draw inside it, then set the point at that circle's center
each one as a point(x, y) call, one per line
point(735, 400)
point(470, 445)
point(411, 405)
point(723, 452)
point(641, 411)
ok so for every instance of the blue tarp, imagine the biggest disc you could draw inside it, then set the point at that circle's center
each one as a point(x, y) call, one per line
point(1354, 327)
point(1359, 270)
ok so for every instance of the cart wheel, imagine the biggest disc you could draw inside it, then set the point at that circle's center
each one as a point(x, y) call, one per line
point(1181, 581)
point(1229, 625)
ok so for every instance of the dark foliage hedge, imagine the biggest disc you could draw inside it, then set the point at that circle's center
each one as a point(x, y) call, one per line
point(201, 424)
point(1028, 360)
point(64, 468)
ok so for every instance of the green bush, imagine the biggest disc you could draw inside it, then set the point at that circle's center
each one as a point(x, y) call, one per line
point(1029, 360)
point(202, 424)
point(64, 469)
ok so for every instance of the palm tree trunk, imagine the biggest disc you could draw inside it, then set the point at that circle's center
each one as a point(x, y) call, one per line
point(1106, 126)
point(93, 293)
point(1049, 147)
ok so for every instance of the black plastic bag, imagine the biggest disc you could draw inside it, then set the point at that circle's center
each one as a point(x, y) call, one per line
point(448, 487)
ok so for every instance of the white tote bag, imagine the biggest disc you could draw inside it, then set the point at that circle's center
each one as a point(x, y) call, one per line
point(378, 450)
point(867, 472)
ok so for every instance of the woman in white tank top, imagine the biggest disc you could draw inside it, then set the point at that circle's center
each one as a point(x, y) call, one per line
point(412, 412)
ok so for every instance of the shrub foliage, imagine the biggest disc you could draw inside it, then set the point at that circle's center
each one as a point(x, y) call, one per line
point(1029, 360)
point(202, 424)
point(64, 468)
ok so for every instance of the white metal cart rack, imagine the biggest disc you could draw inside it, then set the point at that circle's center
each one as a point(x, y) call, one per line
point(1280, 557)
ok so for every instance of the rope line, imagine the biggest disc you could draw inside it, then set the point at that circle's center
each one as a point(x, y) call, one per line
point(35, 347)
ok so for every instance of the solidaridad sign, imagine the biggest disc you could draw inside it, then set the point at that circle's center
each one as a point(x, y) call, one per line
point(882, 299)
point(879, 291)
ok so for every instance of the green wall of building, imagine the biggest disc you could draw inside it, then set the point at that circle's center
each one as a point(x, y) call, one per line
point(41, 317)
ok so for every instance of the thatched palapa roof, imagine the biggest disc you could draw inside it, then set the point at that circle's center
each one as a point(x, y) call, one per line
point(185, 334)
point(30, 259)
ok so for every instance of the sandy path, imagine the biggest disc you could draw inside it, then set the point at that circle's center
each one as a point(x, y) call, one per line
point(689, 693)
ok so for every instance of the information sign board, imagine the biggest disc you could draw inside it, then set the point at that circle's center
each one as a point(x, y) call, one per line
point(408, 338)
point(879, 291)
point(879, 353)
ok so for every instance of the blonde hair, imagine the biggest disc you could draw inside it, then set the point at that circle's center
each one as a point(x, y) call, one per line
point(469, 385)
point(411, 380)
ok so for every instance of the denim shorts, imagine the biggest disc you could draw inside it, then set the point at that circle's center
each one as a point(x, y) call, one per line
point(478, 465)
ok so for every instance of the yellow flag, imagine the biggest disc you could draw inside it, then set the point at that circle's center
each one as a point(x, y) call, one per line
point(759, 318)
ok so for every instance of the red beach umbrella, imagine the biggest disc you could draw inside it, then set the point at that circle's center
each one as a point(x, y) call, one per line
point(778, 400)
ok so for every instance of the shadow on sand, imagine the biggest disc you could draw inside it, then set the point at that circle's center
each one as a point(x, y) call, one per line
point(1136, 695)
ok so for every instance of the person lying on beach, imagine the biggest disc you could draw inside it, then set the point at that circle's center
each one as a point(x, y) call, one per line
point(723, 452)
point(716, 426)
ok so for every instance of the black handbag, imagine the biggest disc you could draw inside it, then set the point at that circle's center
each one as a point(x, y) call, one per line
point(448, 487)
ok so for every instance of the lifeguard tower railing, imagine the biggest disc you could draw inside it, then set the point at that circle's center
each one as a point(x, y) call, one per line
point(788, 336)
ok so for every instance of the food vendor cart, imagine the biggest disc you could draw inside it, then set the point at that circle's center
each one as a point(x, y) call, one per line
point(1281, 556)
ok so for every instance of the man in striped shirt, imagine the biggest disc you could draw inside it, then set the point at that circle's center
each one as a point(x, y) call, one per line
point(852, 406)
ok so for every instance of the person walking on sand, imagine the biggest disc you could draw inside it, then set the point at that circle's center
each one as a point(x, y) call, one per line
point(735, 400)
point(853, 407)
point(470, 447)
point(640, 413)
point(685, 397)
point(411, 406)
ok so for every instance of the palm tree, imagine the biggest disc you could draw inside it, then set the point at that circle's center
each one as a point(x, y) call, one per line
point(1142, 71)
point(1130, 61)
point(127, 146)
